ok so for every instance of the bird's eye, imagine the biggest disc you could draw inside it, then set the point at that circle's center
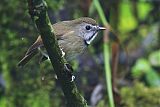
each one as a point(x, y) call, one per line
point(88, 27)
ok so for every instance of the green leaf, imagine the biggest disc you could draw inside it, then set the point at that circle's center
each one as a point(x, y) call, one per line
point(144, 8)
point(127, 20)
point(153, 78)
point(154, 58)
point(141, 66)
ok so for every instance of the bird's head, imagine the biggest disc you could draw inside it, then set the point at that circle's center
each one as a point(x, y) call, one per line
point(87, 28)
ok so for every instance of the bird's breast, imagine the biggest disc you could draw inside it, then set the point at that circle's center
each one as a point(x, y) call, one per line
point(73, 46)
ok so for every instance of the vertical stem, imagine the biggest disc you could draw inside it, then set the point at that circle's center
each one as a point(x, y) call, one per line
point(106, 54)
point(108, 74)
point(100, 12)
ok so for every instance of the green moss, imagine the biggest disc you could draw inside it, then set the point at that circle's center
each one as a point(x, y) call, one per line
point(140, 96)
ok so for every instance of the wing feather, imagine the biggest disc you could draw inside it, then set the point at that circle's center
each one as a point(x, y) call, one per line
point(60, 29)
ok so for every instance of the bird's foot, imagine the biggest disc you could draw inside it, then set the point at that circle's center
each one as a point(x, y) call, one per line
point(63, 53)
point(68, 68)
point(43, 53)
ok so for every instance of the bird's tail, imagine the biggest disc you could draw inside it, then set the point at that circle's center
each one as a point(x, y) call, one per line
point(33, 50)
point(27, 57)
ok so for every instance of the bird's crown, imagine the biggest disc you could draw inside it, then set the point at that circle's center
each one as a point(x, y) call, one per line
point(85, 20)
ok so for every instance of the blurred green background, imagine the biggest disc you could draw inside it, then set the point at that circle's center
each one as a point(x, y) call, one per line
point(137, 25)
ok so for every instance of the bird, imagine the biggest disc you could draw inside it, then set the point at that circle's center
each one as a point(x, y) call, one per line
point(73, 38)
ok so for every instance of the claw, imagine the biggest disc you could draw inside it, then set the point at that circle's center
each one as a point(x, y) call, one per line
point(63, 53)
point(73, 77)
point(66, 67)
point(69, 70)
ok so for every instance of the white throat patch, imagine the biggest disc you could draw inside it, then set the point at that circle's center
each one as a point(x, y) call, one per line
point(90, 40)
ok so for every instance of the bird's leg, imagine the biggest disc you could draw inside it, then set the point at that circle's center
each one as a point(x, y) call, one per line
point(68, 68)
point(42, 59)
point(43, 53)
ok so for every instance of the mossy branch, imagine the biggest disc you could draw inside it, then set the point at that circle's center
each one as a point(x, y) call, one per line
point(38, 12)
